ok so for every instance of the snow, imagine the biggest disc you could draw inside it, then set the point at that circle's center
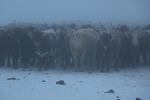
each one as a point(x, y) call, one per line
point(127, 84)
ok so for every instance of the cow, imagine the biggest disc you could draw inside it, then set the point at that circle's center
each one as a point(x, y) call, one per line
point(47, 50)
point(84, 46)
point(105, 51)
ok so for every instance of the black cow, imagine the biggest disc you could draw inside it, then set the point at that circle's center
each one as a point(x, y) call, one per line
point(47, 51)
point(105, 51)
point(144, 47)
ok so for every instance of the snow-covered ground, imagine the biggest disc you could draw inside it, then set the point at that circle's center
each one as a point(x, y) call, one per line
point(127, 85)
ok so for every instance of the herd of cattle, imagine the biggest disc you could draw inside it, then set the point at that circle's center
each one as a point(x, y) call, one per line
point(85, 47)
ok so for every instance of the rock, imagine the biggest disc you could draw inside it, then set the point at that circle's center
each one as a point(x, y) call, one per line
point(89, 72)
point(118, 98)
point(13, 78)
point(60, 82)
point(18, 79)
point(81, 81)
point(29, 73)
point(98, 92)
point(138, 98)
point(43, 81)
point(110, 91)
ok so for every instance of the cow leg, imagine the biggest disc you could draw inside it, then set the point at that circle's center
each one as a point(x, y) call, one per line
point(15, 62)
point(2, 60)
point(82, 61)
point(52, 62)
point(76, 62)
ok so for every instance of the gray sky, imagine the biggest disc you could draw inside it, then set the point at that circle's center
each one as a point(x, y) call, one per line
point(129, 11)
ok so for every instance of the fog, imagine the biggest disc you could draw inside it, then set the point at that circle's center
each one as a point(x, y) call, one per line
point(114, 11)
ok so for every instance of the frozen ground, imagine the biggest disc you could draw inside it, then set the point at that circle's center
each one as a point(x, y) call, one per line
point(79, 85)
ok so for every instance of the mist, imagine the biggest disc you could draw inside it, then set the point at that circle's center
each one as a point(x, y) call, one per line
point(39, 11)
